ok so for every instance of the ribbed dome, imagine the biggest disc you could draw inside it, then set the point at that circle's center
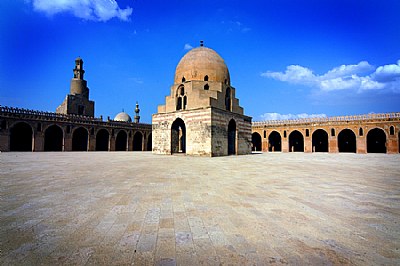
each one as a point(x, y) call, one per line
point(123, 117)
point(202, 64)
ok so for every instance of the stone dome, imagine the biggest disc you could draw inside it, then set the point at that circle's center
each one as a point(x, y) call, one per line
point(202, 64)
point(123, 117)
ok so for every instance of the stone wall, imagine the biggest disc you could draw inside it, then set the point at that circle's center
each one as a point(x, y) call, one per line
point(206, 132)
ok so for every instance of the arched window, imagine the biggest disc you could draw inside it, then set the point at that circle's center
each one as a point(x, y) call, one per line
point(391, 130)
point(181, 99)
point(284, 134)
point(332, 132)
point(265, 134)
point(361, 132)
point(228, 99)
point(307, 132)
point(206, 87)
point(179, 103)
point(205, 78)
point(184, 102)
point(183, 79)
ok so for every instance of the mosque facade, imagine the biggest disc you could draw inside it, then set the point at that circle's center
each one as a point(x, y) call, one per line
point(201, 116)
point(73, 126)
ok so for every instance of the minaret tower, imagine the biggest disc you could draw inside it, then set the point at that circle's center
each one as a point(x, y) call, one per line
point(77, 101)
point(137, 116)
point(78, 84)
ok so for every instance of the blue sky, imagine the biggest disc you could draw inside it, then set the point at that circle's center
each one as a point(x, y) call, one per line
point(287, 59)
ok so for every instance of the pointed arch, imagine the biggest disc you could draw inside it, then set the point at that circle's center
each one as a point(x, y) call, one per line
point(80, 137)
point(347, 141)
point(376, 141)
point(121, 141)
point(178, 136)
point(102, 140)
point(256, 142)
point(320, 141)
point(232, 137)
point(53, 138)
point(296, 141)
point(138, 141)
point(149, 142)
point(274, 141)
point(21, 137)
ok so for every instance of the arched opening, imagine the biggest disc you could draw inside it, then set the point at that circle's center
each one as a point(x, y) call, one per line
point(296, 141)
point(179, 104)
point(274, 142)
point(121, 141)
point(391, 130)
point(102, 140)
point(137, 141)
point(307, 132)
point(178, 136)
point(21, 137)
point(205, 78)
point(80, 139)
point(53, 138)
point(256, 141)
point(332, 132)
point(265, 134)
point(376, 141)
point(347, 141)
point(361, 132)
point(232, 137)
point(206, 87)
point(320, 141)
point(228, 99)
point(149, 143)
point(183, 79)
point(184, 102)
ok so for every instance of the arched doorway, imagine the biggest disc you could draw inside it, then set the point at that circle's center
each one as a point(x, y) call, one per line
point(320, 141)
point(256, 141)
point(274, 141)
point(21, 135)
point(347, 141)
point(138, 141)
point(121, 141)
point(53, 138)
point(178, 136)
point(80, 139)
point(149, 142)
point(376, 141)
point(102, 140)
point(232, 137)
point(296, 141)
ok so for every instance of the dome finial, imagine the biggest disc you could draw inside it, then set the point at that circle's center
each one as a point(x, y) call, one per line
point(201, 43)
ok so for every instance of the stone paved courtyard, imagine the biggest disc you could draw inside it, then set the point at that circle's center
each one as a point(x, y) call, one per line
point(124, 208)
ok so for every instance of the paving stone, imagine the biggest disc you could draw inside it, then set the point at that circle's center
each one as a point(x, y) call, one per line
point(102, 208)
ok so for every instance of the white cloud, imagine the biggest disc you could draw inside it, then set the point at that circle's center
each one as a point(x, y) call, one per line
point(187, 47)
point(345, 77)
point(277, 116)
point(99, 10)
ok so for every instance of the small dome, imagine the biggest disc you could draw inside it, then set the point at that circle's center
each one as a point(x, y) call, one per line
point(202, 64)
point(123, 117)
